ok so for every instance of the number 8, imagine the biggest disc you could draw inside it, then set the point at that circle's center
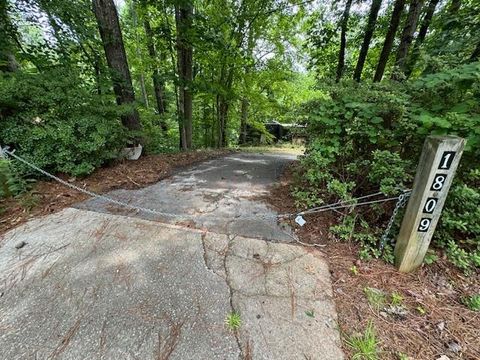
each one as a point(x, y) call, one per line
point(438, 182)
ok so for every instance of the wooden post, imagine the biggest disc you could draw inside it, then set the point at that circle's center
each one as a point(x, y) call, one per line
point(435, 171)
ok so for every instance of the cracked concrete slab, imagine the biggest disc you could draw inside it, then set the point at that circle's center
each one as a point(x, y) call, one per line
point(220, 195)
point(93, 285)
point(90, 285)
point(284, 295)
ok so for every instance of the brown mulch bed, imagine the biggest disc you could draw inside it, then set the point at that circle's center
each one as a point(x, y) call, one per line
point(435, 323)
point(47, 197)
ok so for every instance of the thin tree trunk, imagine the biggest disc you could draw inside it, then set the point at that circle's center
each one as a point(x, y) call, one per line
point(158, 86)
point(407, 37)
point(95, 61)
point(224, 105)
point(109, 28)
point(183, 18)
point(171, 52)
point(389, 38)
point(141, 76)
point(422, 33)
point(343, 41)
point(243, 120)
point(8, 62)
point(372, 20)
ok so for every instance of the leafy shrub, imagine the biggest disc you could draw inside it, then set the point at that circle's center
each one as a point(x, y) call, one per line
point(458, 231)
point(53, 121)
point(155, 140)
point(10, 183)
point(368, 137)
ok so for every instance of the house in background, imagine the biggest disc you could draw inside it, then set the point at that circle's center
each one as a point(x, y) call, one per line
point(275, 132)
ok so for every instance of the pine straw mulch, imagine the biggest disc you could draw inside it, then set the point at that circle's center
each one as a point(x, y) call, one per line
point(436, 323)
point(47, 197)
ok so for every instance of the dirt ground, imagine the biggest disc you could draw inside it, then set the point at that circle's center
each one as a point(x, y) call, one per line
point(431, 322)
point(47, 197)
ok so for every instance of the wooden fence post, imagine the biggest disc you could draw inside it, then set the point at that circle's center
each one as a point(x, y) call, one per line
point(435, 171)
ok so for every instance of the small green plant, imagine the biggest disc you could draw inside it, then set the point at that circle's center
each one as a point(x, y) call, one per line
point(430, 258)
point(364, 346)
point(397, 299)
point(310, 313)
point(233, 321)
point(354, 270)
point(402, 356)
point(376, 298)
point(472, 302)
point(421, 310)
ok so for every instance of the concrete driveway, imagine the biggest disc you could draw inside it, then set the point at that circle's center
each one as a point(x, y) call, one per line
point(99, 282)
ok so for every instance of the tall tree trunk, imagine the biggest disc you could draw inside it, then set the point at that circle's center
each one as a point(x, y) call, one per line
point(407, 37)
point(389, 38)
point(372, 20)
point(141, 76)
point(109, 27)
point(245, 103)
point(343, 41)
point(158, 86)
point(183, 18)
point(422, 33)
point(8, 62)
point(223, 104)
point(243, 121)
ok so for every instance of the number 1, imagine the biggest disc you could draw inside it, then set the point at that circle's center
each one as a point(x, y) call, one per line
point(446, 160)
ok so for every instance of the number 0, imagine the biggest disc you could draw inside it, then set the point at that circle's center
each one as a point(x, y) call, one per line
point(430, 205)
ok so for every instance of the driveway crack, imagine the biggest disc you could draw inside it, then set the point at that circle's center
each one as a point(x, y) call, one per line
point(236, 334)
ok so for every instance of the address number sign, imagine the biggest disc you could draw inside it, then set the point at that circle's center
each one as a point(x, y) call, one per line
point(436, 187)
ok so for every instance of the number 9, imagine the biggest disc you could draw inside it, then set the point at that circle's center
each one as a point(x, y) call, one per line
point(424, 224)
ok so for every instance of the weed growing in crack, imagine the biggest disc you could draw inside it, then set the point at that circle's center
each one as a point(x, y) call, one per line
point(233, 321)
point(364, 346)
point(310, 313)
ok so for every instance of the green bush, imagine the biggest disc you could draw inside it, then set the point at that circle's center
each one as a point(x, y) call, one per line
point(55, 122)
point(10, 183)
point(368, 137)
point(155, 140)
point(458, 231)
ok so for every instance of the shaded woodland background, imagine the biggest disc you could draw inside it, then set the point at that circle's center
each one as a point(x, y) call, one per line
point(80, 80)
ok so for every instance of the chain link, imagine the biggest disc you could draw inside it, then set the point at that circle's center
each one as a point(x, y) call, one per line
point(85, 191)
point(402, 200)
point(339, 205)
